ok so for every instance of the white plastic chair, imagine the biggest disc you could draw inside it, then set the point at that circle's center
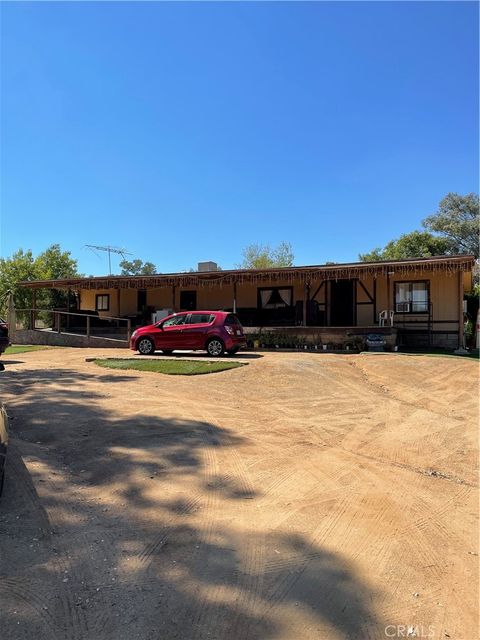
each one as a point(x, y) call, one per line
point(385, 317)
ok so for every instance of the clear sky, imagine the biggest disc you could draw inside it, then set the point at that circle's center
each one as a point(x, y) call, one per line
point(184, 132)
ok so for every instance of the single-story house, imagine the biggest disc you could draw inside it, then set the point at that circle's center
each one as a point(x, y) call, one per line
point(418, 301)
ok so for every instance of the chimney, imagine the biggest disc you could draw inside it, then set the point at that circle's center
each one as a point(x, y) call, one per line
point(207, 266)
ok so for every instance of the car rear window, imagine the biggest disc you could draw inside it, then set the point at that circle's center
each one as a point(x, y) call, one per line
point(232, 319)
point(200, 318)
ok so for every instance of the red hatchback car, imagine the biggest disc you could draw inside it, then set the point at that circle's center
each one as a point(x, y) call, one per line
point(212, 331)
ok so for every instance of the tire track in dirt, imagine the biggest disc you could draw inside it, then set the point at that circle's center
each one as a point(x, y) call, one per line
point(204, 500)
point(314, 438)
point(148, 552)
point(69, 562)
point(67, 565)
point(193, 503)
point(419, 404)
point(26, 472)
point(284, 584)
point(22, 589)
point(205, 622)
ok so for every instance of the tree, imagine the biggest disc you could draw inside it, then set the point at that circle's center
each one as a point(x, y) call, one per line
point(53, 263)
point(257, 256)
point(137, 268)
point(455, 226)
point(20, 266)
point(417, 244)
point(457, 220)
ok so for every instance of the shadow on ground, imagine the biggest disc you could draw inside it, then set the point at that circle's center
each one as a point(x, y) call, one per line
point(241, 355)
point(112, 532)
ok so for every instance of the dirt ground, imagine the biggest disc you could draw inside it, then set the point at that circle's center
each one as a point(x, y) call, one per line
point(304, 496)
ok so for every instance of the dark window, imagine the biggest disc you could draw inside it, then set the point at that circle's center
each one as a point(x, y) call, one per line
point(275, 297)
point(141, 299)
point(188, 300)
point(175, 320)
point(102, 302)
point(411, 297)
point(200, 318)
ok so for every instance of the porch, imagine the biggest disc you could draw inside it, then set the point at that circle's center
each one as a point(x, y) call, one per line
point(421, 299)
point(319, 338)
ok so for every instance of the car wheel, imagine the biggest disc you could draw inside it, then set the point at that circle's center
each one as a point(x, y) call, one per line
point(232, 352)
point(167, 352)
point(145, 346)
point(215, 347)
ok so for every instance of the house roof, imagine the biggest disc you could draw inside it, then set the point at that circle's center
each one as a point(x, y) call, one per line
point(336, 271)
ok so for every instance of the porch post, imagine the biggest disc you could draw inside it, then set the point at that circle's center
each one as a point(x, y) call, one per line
point(34, 306)
point(305, 294)
point(173, 297)
point(234, 297)
point(327, 303)
point(388, 290)
point(461, 344)
point(118, 303)
point(68, 308)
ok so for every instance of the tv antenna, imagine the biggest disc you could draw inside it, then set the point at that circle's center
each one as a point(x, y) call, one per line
point(109, 250)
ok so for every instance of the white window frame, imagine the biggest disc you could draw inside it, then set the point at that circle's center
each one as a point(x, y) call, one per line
point(408, 305)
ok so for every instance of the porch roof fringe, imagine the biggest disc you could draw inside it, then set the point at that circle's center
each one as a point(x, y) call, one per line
point(284, 275)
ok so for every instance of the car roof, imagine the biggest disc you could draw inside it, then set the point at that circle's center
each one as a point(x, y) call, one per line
point(178, 313)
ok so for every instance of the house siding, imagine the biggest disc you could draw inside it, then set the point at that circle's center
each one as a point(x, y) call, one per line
point(443, 296)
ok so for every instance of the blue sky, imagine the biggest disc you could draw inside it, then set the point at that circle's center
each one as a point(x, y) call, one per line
point(184, 132)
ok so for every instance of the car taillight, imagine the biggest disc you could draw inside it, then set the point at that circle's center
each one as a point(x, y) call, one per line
point(229, 330)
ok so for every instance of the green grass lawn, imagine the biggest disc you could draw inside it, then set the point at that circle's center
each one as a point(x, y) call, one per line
point(23, 348)
point(170, 367)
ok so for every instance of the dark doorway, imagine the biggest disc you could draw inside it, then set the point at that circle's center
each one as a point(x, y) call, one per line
point(342, 303)
point(141, 299)
point(188, 300)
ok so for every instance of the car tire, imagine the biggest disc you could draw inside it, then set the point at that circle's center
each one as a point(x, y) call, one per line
point(215, 347)
point(167, 352)
point(232, 352)
point(145, 346)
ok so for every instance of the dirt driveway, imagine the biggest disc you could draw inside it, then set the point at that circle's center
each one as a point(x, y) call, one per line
point(303, 496)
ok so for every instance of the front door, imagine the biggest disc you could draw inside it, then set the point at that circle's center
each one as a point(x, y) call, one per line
point(342, 301)
point(170, 333)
